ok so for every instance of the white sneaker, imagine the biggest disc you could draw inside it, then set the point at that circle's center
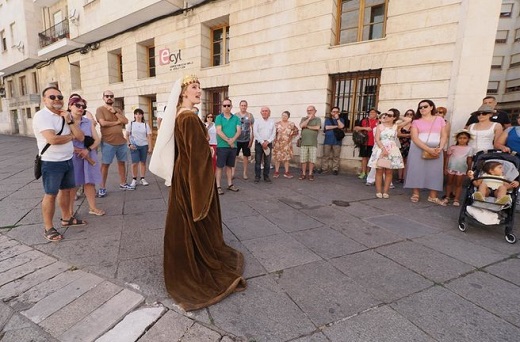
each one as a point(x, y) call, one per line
point(144, 182)
point(133, 184)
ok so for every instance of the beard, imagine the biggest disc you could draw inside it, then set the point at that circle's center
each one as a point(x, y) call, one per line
point(57, 106)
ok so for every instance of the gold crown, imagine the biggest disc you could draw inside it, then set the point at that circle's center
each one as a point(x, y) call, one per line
point(188, 79)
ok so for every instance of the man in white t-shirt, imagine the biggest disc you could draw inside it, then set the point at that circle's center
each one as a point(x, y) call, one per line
point(57, 167)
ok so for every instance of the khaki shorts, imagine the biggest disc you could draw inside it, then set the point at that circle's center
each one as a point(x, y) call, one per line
point(308, 154)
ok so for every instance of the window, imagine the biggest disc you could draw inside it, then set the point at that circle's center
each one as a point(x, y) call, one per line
point(506, 10)
point(213, 99)
point(517, 35)
point(220, 45)
point(355, 93)
point(496, 62)
point(10, 89)
point(3, 40)
point(361, 20)
point(515, 60)
point(28, 112)
point(115, 66)
point(501, 36)
point(36, 88)
point(513, 85)
point(493, 87)
point(151, 61)
point(75, 75)
point(23, 85)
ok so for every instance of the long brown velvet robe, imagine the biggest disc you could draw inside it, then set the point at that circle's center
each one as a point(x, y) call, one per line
point(199, 268)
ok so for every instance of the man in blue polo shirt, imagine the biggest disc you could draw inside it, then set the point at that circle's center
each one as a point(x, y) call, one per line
point(228, 130)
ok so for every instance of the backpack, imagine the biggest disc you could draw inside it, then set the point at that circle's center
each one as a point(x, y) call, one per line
point(360, 138)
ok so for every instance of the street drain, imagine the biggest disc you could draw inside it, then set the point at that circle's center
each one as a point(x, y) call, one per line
point(341, 203)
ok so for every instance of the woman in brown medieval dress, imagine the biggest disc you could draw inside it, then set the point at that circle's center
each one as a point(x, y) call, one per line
point(199, 268)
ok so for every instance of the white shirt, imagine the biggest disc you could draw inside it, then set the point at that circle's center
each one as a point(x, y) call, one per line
point(212, 131)
point(264, 130)
point(46, 120)
point(138, 132)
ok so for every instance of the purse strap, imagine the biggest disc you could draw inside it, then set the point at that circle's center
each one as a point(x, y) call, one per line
point(431, 127)
point(59, 133)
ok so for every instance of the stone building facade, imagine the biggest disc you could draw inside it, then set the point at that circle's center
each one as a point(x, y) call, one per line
point(355, 54)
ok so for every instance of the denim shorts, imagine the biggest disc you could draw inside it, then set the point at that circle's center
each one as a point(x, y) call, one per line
point(226, 157)
point(109, 151)
point(139, 154)
point(57, 175)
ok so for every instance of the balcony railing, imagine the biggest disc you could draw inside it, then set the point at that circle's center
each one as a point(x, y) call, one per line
point(54, 33)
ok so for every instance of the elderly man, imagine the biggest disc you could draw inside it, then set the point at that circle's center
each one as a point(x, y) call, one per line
point(113, 142)
point(54, 129)
point(264, 132)
point(310, 126)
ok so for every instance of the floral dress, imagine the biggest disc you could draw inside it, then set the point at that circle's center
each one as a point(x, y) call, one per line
point(388, 138)
point(405, 142)
point(282, 147)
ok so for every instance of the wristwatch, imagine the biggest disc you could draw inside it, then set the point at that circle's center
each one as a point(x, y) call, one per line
point(71, 122)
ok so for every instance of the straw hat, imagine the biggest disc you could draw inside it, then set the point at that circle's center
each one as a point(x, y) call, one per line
point(471, 135)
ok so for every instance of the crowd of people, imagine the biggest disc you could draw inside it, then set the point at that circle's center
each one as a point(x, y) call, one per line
point(191, 155)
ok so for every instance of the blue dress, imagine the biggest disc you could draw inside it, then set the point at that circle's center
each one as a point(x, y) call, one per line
point(84, 173)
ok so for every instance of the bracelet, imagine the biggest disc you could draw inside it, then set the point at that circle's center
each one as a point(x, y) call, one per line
point(71, 122)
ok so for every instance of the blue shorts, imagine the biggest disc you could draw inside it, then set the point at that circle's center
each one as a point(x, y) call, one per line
point(139, 154)
point(57, 175)
point(109, 151)
point(226, 157)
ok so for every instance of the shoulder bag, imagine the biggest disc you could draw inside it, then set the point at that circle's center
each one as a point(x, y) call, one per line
point(38, 159)
point(426, 154)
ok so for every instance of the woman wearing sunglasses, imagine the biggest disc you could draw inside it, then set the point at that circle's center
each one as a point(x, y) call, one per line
point(485, 132)
point(87, 170)
point(212, 133)
point(425, 160)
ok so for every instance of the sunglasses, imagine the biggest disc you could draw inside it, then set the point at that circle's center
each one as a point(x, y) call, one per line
point(109, 96)
point(77, 105)
point(386, 114)
point(480, 113)
point(423, 107)
point(226, 105)
point(209, 117)
point(54, 97)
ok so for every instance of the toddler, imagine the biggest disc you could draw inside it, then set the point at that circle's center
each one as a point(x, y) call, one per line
point(495, 187)
point(457, 164)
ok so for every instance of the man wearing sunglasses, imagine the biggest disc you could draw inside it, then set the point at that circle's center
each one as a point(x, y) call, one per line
point(57, 167)
point(113, 142)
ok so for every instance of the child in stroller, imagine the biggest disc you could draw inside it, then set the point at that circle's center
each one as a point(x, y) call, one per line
point(492, 183)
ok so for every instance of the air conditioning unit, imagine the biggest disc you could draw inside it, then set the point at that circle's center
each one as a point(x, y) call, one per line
point(73, 16)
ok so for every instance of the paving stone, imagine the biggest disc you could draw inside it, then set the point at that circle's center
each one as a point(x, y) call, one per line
point(141, 243)
point(263, 312)
point(507, 269)
point(366, 234)
point(30, 233)
point(144, 221)
point(199, 333)
point(378, 324)
point(278, 252)
point(170, 327)
point(5, 314)
point(253, 268)
point(382, 277)
point(491, 293)
point(19, 259)
point(150, 205)
point(13, 250)
point(133, 325)
point(332, 297)
point(103, 318)
point(147, 272)
point(66, 317)
point(10, 216)
point(315, 337)
point(327, 243)
point(57, 300)
point(17, 287)
point(27, 268)
point(252, 227)
point(32, 334)
point(34, 293)
point(402, 226)
point(433, 265)
point(462, 250)
point(447, 317)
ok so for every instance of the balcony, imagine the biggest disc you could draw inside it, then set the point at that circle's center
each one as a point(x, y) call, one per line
point(24, 101)
point(55, 40)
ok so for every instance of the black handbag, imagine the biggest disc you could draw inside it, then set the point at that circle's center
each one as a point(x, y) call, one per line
point(339, 134)
point(38, 159)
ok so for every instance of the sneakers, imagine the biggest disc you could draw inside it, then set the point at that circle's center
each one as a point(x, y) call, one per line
point(126, 187)
point(392, 186)
point(134, 183)
point(288, 175)
point(267, 179)
point(102, 192)
point(144, 182)
point(369, 183)
point(276, 174)
point(503, 200)
point(362, 175)
point(478, 196)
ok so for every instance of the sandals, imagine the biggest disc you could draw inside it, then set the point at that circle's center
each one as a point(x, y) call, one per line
point(219, 190)
point(311, 177)
point(302, 177)
point(72, 222)
point(379, 195)
point(456, 203)
point(52, 235)
point(386, 196)
point(414, 198)
point(436, 200)
point(96, 211)
point(233, 188)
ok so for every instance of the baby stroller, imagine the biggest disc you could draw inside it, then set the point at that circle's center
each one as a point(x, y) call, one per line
point(488, 213)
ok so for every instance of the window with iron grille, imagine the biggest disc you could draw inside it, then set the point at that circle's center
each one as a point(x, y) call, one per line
point(213, 99)
point(355, 93)
point(220, 45)
point(361, 20)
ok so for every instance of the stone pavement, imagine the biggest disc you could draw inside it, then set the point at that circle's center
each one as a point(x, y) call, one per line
point(374, 270)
